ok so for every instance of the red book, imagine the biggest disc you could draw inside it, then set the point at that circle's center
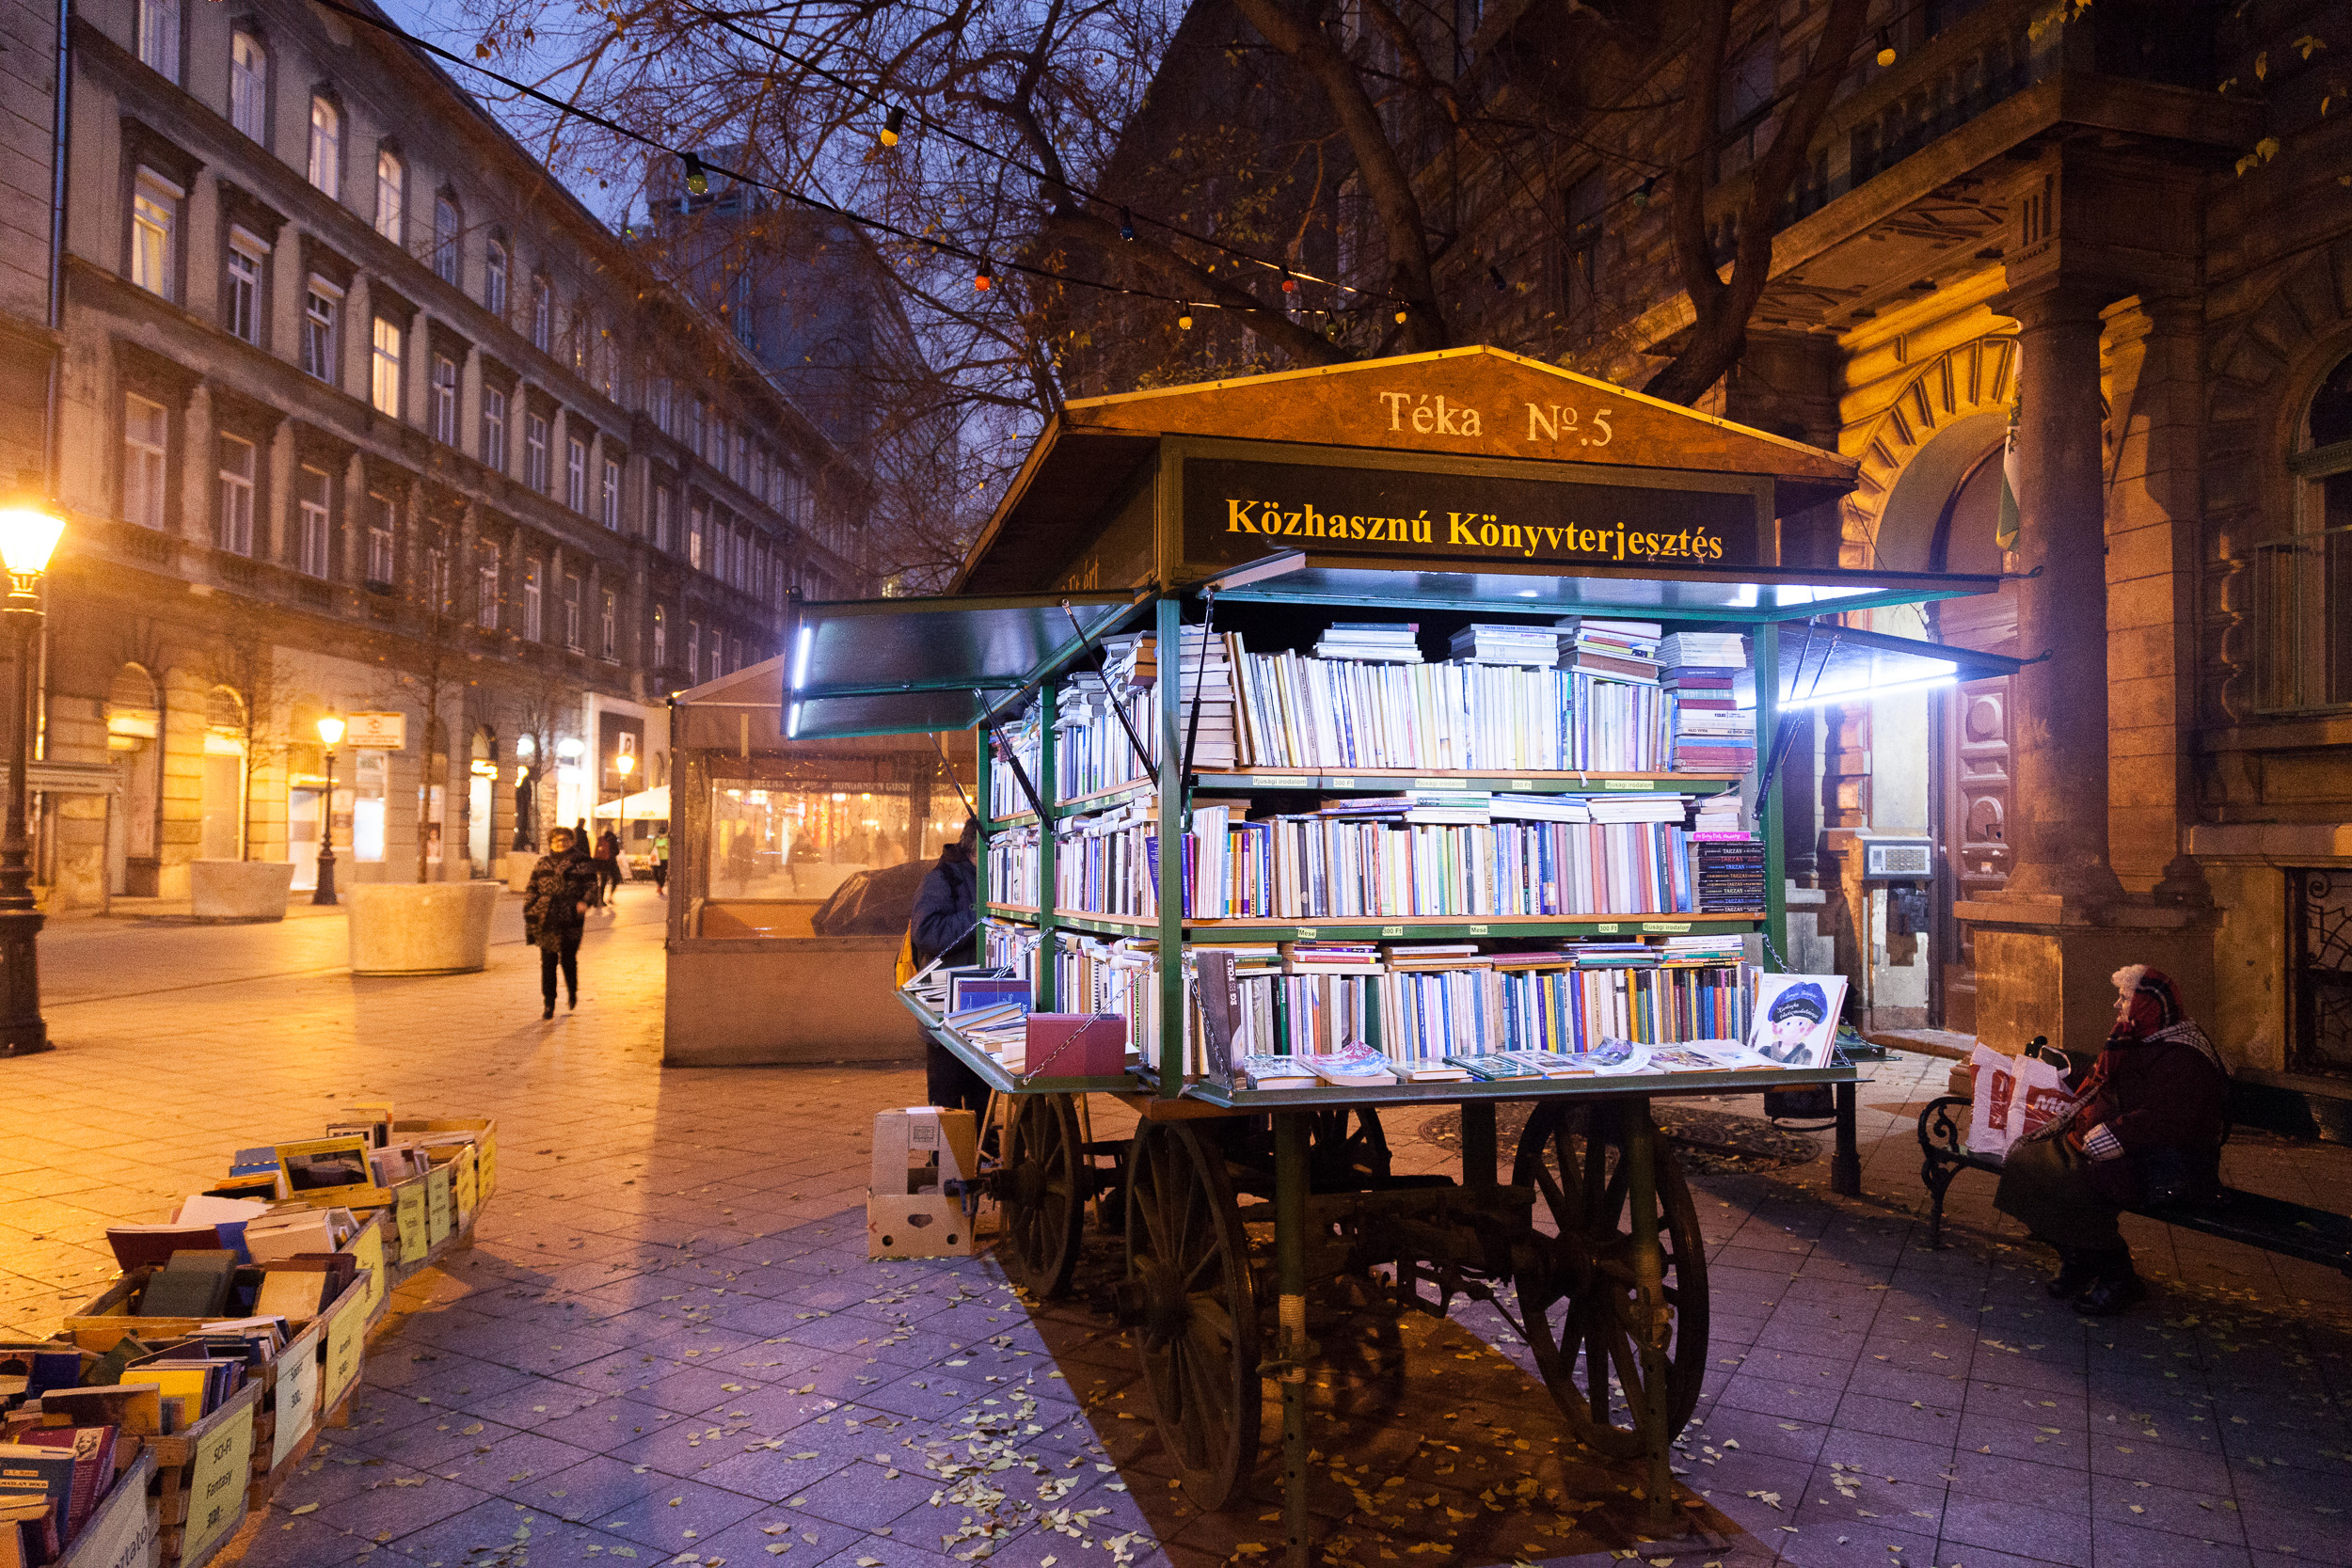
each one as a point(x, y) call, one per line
point(93, 1467)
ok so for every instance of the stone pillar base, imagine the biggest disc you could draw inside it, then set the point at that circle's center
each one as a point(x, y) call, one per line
point(2047, 966)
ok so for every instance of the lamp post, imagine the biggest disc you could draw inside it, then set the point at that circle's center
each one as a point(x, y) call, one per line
point(331, 735)
point(27, 536)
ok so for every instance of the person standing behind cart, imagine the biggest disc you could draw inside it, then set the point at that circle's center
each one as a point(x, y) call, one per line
point(555, 907)
point(946, 921)
point(661, 861)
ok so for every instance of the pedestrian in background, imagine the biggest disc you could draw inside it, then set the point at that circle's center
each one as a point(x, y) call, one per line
point(661, 862)
point(945, 916)
point(609, 867)
point(555, 905)
point(583, 850)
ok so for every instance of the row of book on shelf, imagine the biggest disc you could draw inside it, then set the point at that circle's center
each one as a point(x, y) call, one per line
point(1424, 853)
point(1264, 1014)
point(1582, 694)
point(221, 1294)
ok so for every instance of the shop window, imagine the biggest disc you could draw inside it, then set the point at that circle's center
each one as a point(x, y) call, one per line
point(2303, 583)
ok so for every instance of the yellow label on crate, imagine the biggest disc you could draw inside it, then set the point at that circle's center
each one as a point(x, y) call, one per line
point(436, 1216)
point(408, 1211)
point(217, 1482)
point(465, 1189)
point(368, 1246)
point(296, 1398)
point(346, 1336)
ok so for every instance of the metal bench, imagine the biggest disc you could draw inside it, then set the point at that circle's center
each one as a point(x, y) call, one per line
point(2272, 1224)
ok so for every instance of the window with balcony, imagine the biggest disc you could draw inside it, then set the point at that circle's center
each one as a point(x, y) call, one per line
point(536, 455)
point(495, 266)
point(311, 530)
point(542, 314)
point(609, 626)
point(236, 495)
point(608, 503)
point(661, 636)
point(155, 234)
point(576, 474)
point(145, 444)
point(159, 37)
point(326, 146)
point(322, 307)
point(487, 585)
point(382, 568)
point(242, 310)
point(532, 627)
point(2303, 583)
point(494, 428)
point(385, 365)
point(249, 86)
point(571, 611)
point(392, 195)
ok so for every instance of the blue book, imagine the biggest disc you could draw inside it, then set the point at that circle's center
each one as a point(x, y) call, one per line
point(28, 1470)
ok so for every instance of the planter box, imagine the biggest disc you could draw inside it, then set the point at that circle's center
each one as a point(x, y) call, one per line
point(518, 868)
point(239, 891)
point(421, 927)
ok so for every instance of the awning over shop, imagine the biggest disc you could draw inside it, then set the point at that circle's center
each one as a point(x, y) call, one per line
point(646, 805)
point(892, 666)
point(1830, 663)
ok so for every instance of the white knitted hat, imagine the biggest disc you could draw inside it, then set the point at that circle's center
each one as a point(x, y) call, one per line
point(2127, 979)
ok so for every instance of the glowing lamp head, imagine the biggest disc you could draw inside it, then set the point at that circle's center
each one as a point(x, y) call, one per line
point(28, 535)
point(1183, 324)
point(891, 123)
point(331, 730)
point(624, 765)
point(697, 177)
point(1886, 55)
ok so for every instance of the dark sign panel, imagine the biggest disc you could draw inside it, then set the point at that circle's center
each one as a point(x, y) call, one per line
point(1238, 511)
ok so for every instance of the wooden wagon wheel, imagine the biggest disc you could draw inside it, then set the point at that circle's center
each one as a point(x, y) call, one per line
point(1579, 1303)
point(1347, 1148)
point(1044, 1189)
point(1189, 1301)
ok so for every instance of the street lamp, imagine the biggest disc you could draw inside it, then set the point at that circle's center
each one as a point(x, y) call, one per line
point(28, 535)
point(331, 735)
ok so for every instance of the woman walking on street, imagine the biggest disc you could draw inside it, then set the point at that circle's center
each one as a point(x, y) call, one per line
point(554, 914)
point(609, 869)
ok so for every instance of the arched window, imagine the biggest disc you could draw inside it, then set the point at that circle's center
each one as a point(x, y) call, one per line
point(249, 86)
point(447, 222)
point(391, 195)
point(326, 146)
point(2304, 583)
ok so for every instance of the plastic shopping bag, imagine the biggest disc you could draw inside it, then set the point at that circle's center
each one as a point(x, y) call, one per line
point(2016, 1096)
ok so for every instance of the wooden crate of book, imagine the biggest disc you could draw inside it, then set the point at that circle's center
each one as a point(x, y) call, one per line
point(287, 1417)
point(121, 1531)
point(371, 1245)
point(484, 1131)
point(100, 1322)
point(341, 1346)
point(203, 1476)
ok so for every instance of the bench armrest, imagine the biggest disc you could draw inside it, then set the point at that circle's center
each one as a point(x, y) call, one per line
point(1944, 1127)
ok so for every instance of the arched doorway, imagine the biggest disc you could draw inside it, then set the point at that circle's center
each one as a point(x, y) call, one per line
point(221, 800)
point(135, 729)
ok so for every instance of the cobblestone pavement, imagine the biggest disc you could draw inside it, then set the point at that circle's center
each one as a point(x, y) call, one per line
point(668, 1345)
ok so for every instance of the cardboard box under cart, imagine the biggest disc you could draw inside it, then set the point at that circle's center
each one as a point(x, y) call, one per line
point(924, 1158)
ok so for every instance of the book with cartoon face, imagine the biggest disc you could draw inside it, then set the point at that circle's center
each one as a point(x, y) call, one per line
point(1796, 1018)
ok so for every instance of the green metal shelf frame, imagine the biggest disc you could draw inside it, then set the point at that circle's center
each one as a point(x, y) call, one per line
point(1427, 927)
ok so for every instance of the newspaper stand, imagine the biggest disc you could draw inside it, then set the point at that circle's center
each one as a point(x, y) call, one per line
point(1469, 480)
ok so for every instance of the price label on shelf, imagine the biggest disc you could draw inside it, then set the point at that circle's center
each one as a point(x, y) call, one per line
point(1667, 927)
point(1626, 784)
point(1522, 783)
point(1437, 783)
point(1478, 930)
point(1392, 930)
point(1306, 933)
point(1342, 784)
point(1605, 930)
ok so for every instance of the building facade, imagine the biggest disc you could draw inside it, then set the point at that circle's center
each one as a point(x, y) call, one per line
point(363, 412)
point(2104, 252)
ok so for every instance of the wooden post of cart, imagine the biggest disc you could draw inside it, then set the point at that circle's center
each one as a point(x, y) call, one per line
point(1465, 486)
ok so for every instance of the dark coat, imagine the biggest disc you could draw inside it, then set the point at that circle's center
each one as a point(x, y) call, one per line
point(945, 907)
point(556, 898)
point(2160, 1095)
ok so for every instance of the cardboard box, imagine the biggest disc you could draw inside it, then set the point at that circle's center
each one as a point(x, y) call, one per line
point(923, 1160)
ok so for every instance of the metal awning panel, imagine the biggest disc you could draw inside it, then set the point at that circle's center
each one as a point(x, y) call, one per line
point(894, 666)
point(1747, 595)
point(1832, 663)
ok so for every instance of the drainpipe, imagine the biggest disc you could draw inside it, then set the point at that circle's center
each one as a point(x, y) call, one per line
point(60, 137)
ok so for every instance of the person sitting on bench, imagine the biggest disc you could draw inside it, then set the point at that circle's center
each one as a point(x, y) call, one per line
point(2144, 1128)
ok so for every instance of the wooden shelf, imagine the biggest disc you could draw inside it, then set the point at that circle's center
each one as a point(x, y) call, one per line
point(1355, 927)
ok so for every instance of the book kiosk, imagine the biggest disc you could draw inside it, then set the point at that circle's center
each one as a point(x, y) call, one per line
point(1397, 864)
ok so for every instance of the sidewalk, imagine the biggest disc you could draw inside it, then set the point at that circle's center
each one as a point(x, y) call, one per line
point(668, 1346)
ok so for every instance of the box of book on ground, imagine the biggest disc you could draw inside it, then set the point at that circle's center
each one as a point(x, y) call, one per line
point(925, 1160)
point(481, 1132)
point(202, 1480)
point(181, 1276)
point(74, 1497)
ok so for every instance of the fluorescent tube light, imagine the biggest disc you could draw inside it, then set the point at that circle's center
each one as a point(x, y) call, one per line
point(800, 654)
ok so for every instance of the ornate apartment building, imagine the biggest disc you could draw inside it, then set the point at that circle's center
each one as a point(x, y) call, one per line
point(2125, 230)
point(363, 411)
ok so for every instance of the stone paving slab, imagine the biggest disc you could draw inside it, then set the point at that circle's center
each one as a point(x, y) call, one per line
point(668, 1346)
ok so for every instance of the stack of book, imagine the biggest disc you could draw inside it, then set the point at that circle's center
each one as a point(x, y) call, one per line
point(1625, 650)
point(1207, 669)
point(1535, 647)
point(1718, 814)
point(1711, 734)
point(1378, 641)
point(1024, 739)
point(1730, 870)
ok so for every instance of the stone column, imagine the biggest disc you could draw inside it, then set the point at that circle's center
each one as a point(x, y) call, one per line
point(2060, 831)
